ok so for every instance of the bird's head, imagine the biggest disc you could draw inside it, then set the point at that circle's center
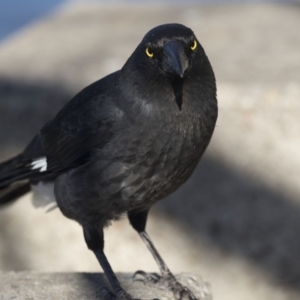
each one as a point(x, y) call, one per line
point(170, 49)
point(171, 53)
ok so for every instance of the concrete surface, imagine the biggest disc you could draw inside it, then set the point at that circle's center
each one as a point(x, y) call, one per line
point(86, 286)
point(237, 220)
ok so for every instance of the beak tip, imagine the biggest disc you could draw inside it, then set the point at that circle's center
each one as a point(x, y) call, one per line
point(179, 72)
point(181, 75)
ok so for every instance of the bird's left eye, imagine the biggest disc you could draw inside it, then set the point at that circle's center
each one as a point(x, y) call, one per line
point(194, 45)
point(149, 52)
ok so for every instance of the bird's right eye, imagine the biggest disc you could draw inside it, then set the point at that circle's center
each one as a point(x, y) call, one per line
point(149, 52)
point(194, 45)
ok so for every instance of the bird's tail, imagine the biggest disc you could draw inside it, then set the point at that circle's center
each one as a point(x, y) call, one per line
point(11, 172)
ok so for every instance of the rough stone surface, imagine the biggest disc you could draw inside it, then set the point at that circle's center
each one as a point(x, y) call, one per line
point(85, 286)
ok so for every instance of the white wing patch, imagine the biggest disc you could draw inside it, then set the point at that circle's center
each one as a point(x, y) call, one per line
point(40, 163)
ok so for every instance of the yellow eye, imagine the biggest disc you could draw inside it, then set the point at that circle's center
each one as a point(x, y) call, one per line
point(149, 52)
point(194, 45)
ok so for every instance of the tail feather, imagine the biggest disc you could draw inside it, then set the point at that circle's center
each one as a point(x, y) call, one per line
point(14, 170)
point(15, 177)
point(13, 192)
point(8, 165)
point(11, 171)
point(8, 171)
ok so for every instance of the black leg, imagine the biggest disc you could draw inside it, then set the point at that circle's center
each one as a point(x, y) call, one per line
point(138, 221)
point(95, 242)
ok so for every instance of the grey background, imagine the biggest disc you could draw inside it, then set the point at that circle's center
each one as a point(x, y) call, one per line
point(236, 222)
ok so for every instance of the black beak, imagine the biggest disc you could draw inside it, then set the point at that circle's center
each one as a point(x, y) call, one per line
point(174, 60)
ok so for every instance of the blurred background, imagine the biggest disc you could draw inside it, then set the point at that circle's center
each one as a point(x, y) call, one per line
point(237, 220)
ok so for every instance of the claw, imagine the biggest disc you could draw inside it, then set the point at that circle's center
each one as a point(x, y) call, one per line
point(183, 293)
point(137, 274)
point(122, 295)
point(166, 281)
point(144, 277)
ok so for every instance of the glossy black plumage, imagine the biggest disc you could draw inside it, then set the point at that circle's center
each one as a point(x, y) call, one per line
point(129, 139)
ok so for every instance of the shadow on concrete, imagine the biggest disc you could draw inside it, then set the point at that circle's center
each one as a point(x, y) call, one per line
point(236, 213)
point(97, 284)
point(241, 216)
point(24, 109)
point(11, 254)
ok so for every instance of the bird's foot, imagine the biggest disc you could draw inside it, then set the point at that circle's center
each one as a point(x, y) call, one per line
point(149, 279)
point(165, 281)
point(105, 294)
point(181, 292)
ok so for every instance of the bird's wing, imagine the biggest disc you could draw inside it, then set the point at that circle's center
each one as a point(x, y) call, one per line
point(82, 126)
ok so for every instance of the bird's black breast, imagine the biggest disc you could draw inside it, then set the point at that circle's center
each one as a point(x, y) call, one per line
point(155, 150)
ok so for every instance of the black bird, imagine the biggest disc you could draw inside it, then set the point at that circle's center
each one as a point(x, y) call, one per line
point(125, 142)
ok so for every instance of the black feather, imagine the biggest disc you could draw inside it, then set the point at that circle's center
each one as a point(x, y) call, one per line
point(13, 192)
point(81, 127)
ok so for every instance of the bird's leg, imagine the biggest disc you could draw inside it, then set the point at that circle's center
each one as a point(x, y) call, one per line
point(166, 279)
point(95, 242)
